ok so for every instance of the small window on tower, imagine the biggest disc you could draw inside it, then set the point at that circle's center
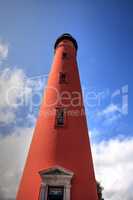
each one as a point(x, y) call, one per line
point(62, 77)
point(64, 55)
point(60, 117)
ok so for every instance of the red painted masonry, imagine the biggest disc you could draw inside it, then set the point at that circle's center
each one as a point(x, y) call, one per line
point(67, 146)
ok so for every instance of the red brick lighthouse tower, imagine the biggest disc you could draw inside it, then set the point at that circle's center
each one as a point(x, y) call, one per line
point(59, 164)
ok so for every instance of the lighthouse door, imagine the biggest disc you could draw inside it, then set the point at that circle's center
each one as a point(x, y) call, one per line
point(55, 192)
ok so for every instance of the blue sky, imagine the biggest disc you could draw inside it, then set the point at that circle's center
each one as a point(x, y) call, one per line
point(104, 32)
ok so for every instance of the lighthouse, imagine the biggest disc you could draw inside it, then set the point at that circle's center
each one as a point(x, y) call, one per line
point(59, 164)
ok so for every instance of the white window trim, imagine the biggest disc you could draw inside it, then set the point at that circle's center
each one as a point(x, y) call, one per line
point(62, 177)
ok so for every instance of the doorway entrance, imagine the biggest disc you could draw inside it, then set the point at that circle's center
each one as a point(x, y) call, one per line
point(55, 192)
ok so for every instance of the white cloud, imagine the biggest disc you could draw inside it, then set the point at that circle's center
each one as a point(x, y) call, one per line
point(13, 88)
point(114, 168)
point(7, 116)
point(110, 114)
point(17, 90)
point(110, 109)
point(13, 151)
point(3, 50)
